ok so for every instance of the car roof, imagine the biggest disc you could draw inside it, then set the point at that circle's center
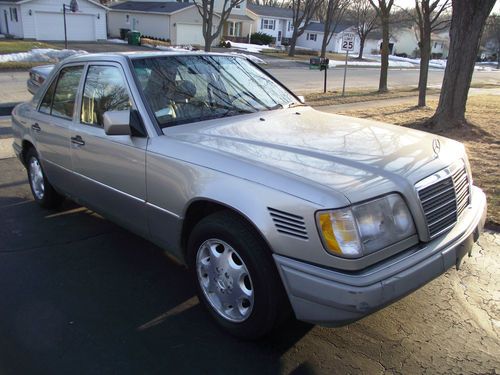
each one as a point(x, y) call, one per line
point(120, 56)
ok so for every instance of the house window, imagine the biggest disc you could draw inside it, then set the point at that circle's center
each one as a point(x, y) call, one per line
point(234, 28)
point(13, 14)
point(127, 18)
point(289, 26)
point(311, 37)
point(435, 44)
point(267, 24)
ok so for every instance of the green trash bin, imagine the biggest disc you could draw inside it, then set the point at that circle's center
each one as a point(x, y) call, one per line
point(134, 38)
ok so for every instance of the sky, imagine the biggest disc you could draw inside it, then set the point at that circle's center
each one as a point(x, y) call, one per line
point(411, 4)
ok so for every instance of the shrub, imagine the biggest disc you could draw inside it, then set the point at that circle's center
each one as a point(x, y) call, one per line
point(261, 39)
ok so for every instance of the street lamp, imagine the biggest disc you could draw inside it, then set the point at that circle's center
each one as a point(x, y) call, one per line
point(72, 7)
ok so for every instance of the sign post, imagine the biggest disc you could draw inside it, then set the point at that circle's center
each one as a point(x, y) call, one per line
point(347, 45)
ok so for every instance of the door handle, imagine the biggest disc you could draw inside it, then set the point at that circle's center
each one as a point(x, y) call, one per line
point(77, 140)
point(36, 127)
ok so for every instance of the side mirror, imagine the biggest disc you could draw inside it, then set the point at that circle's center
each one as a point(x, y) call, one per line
point(117, 122)
point(302, 99)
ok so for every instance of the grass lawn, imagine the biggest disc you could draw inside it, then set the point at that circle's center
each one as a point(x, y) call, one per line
point(13, 46)
point(481, 139)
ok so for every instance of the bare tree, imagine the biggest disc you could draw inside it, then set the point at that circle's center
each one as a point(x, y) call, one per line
point(383, 10)
point(208, 13)
point(429, 18)
point(492, 35)
point(467, 23)
point(334, 12)
point(269, 3)
point(365, 21)
point(303, 13)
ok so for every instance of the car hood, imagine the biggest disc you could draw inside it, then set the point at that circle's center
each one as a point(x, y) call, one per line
point(356, 157)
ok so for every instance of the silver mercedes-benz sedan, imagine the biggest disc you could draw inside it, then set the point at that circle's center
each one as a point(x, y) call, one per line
point(276, 208)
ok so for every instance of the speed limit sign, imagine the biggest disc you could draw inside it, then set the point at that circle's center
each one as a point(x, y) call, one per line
point(348, 41)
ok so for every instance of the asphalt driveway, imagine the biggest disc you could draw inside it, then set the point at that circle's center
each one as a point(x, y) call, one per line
point(80, 295)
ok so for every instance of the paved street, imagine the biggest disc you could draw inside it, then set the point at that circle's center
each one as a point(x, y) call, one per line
point(303, 80)
point(83, 296)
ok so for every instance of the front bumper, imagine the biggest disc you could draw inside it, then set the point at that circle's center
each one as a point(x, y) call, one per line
point(333, 298)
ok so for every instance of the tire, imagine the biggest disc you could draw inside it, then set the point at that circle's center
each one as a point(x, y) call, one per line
point(235, 276)
point(43, 192)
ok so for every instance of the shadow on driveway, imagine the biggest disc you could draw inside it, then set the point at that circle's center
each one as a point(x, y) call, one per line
point(81, 295)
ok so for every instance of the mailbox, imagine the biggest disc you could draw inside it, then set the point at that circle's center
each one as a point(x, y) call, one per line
point(319, 63)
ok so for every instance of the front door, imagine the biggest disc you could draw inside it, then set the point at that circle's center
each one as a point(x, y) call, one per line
point(6, 21)
point(111, 168)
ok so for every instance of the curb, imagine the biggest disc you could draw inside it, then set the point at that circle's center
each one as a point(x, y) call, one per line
point(6, 108)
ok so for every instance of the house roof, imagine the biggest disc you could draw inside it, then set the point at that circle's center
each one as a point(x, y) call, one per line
point(238, 17)
point(95, 2)
point(267, 11)
point(151, 6)
point(320, 27)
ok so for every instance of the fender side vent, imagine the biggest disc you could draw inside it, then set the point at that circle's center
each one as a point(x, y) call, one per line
point(289, 224)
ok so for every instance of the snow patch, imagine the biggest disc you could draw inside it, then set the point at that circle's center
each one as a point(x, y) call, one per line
point(117, 41)
point(392, 64)
point(41, 55)
point(255, 48)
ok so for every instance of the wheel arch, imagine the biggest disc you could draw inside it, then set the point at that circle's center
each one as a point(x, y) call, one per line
point(201, 207)
point(26, 144)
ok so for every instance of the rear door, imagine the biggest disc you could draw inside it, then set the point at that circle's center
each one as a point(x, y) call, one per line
point(111, 169)
point(51, 126)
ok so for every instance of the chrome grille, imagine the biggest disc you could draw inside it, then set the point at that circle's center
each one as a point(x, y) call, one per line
point(444, 196)
point(289, 224)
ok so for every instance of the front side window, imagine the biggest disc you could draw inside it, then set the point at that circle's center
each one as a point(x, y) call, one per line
point(104, 90)
point(185, 89)
point(63, 103)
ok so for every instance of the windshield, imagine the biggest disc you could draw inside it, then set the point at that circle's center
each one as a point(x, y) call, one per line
point(183, 89)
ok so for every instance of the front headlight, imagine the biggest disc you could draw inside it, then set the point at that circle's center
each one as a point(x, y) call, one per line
point(365, 228)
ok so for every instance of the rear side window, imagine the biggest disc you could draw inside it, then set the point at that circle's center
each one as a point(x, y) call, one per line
point(46, 104)
point(63, 102)
point(105, 90)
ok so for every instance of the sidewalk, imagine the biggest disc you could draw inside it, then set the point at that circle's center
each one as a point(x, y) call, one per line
point(334, 108)
point(13, 87)
point(6, 150)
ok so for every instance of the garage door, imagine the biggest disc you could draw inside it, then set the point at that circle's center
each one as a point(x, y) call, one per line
point(189, 34)
point(50, 26)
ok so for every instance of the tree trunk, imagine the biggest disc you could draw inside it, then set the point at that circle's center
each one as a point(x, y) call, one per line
point(467, 24)
point(384, 64)
point(324, 43)
point(293, 42)
point(361, 48)
point(425, 55)
point(208, 44)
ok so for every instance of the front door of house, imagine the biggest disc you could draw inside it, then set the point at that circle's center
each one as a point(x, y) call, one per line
point(279, 36)
point(6, 22)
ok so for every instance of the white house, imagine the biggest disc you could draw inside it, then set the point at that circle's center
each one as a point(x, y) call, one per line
point(179, 22)
point(312, 37)
point(43, 20)
point(273, 21)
